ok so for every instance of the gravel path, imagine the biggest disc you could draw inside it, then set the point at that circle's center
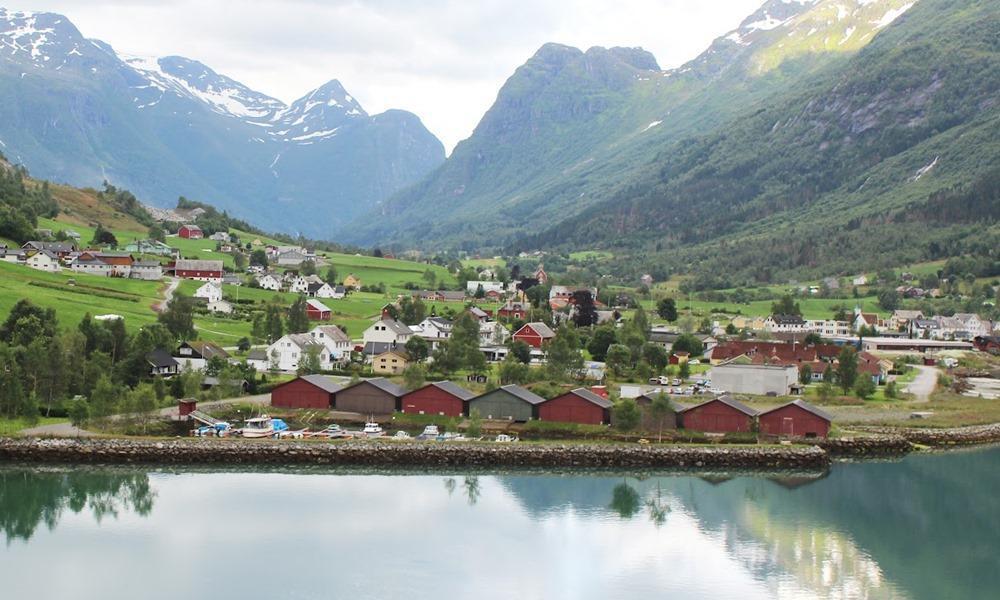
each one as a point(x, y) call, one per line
point(923, 386)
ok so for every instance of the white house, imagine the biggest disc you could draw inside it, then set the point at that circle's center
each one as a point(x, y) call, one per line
point(493, 333)
point(387, 331)
point(43, 260)
point(436, 328)
point(785, 323)
point(325, 290)
point(298, 285)
point(337, 343)
point(860, 280)
point(488, 286)
point(288, 352)
point(269, 282)
point(220, 236)
point(830, 328)
point(210, 292)
point(149, 270)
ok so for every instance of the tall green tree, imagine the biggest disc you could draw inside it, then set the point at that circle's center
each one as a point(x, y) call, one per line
point(562, 354)
point(786, 306)
point(298, 319)
point(667, 309)
point(598, 345)
point(847, 368)
point(179, 317)
point(417, 348)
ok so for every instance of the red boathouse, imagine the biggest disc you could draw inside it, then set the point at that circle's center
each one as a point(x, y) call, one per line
point(308, 391)
point(440, 398)
point(795, 419)
point(719, 415)
point(578, 406)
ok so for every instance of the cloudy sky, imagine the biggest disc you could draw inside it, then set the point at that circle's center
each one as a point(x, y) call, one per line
point(442, 59)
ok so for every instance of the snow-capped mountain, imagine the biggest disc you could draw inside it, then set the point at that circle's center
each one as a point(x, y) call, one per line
point(75, 110)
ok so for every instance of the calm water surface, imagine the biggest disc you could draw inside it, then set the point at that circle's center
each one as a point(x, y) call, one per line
point(923, 527)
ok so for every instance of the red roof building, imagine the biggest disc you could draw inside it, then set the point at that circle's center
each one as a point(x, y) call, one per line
point(440, 398)
point(795, 419)
point(719, 415)
point(190, 232)
point(775, 352)
point(513, 310)
point(308, 391)
point(578, 406)
point(534, 334)
point(317, 311)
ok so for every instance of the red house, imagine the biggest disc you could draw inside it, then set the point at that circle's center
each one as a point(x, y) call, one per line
point(578, 406)
point(795, 419)
point(317, 311)
point(308, 391)
point(191, 232)
point(534, 334)
point(513, 310)
point(719, 415)
point(440, 398)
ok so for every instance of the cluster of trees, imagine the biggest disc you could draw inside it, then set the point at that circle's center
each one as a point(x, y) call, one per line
point(94, 370)
point(125, 201)
point(628, 351)
point(21, 203)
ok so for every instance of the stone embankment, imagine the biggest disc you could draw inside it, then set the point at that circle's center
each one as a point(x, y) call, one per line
point(958, 436)
point(408, 454)
point(868, 446)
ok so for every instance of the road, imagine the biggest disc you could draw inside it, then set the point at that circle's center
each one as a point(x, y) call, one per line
point(168, 294)
point(69, 430)
point(923, 385)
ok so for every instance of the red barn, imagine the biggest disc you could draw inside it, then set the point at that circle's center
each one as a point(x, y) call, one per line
point(199, 270)
point(191, 232)
point(441, 398)
point(317, 311)
point(308, 391)
point(578, 406)
point(534, 334)
point(719, 415)
point(795, 419)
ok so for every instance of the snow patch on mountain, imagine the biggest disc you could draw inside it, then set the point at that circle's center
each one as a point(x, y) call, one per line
point(891, 15)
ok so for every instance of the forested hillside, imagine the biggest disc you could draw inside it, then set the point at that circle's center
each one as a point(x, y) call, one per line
point(849, 173)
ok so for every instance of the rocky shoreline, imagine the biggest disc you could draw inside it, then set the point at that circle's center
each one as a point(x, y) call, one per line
point(957, 436)
point(876, 442)
point(408, 454)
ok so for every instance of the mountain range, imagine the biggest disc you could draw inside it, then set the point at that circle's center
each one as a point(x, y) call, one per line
point(74, 110)
point(784, 147)
point(819, 136)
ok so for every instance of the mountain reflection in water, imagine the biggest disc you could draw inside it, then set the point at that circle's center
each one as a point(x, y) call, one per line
point(922, 527)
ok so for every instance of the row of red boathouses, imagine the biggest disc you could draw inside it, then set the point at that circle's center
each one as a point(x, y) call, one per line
point(379, 396)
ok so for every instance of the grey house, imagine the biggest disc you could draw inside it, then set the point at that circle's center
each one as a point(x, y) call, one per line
point(511, 402)
point(377, 396)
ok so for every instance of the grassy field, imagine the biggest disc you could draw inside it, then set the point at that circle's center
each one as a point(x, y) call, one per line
point(484, 262)
point(12, 426)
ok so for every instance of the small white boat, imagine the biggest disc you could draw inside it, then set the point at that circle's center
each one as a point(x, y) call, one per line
point(401, 435)
point(504, 438)
point(258, 427)
point(430, 432)
point(372, 429)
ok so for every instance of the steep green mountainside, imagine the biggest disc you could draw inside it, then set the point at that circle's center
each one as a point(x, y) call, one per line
point(569, 128)
point(74, 110)
point(838, 177)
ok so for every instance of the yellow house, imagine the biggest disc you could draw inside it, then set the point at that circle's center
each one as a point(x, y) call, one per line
point(751, 323)
point(352, 281)
point(392, 362)
point(257, 242)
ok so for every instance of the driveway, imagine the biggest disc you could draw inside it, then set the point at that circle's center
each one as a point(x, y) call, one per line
point(168, 294)
point(923, 386)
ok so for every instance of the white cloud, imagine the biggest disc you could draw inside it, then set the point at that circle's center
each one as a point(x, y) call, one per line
point(442, 59)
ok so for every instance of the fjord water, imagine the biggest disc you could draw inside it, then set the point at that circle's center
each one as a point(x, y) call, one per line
point(921, 527)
